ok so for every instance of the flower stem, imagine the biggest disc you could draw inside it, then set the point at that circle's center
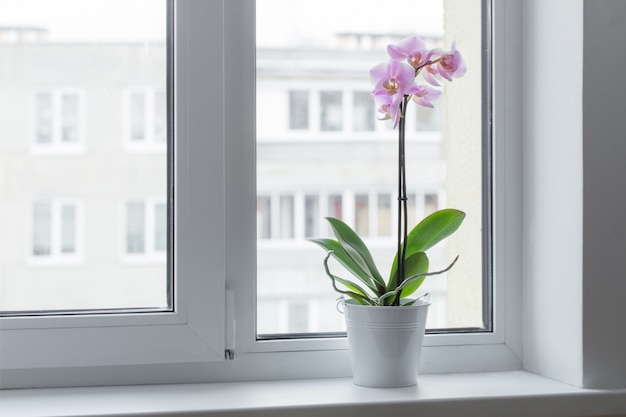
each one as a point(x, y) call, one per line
point(402, 200)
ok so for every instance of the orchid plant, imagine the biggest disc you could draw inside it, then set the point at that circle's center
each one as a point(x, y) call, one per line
point(413, 72)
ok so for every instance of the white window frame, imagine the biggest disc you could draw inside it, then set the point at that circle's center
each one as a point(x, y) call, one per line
point(65, 350)
point(56, 256)
point(215, 245)
point(57, 146)
point(149, 142)
point(499, 350)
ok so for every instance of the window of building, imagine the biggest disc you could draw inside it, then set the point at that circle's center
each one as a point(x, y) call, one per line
point(56, 227)
point(363, 112)
point(59, 120)
point(331, 111)
point(441, 143)
point(298, 110)
point(215, 220)
point(145, 120)
point(145, 230)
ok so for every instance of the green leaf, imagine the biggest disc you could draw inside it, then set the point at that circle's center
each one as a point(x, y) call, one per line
point(415, 264)
point(361, 297)
point(430, 231)
point(433, 229)
point(356, 250)
point(342, 257)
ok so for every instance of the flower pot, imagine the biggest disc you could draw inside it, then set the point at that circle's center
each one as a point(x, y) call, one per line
point(385, 343)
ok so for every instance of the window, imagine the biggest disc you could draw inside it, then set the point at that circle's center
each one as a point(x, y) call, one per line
point(55, 231)
point(348, 158)
point(215, 225)
point(145, 119)
point(363, 112)
point(145, 229)
point(331, 111)
point(59, 120)
point(298, 110)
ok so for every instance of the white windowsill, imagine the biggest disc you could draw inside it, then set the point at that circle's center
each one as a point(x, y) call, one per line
point(508, 394)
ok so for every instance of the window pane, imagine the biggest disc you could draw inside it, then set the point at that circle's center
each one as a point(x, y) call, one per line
point(364, 114)
point(312, 216)
point(160, 227)
point(160, 117)
point(42, 229)
point(286, 217)
point(70, 118)
point(135, 228)
point(384, 215)
point(431, 203)
point(362, 215)
point(68, 229)
point(68, 237)
point(44, 118)
point(331, 111)
point(263, 217)
point(298, 110)
point(349, 158)
point(137, 116)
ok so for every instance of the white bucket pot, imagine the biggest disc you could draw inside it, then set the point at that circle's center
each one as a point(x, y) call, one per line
point(385, 343)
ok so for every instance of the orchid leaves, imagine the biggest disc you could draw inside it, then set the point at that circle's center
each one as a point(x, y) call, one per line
point(352, 253)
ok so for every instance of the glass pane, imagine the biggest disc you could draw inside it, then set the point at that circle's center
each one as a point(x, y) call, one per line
point(331, 111)
point(298, 110)
point(68, 239)
point(137, 116)
point(384, 215)
point(44, 118)
point(312, 216)
point(263, 217)
point(68, 229)
point(361, 215)
point(135, 228)
point(363, 112)
point(286, 217)
point(69, 118)
point(431, 203)
point(349, 158)
point(160, 117)
point(160, 227)
point(42, 229)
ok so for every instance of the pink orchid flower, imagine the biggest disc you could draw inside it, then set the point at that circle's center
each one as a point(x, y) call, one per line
point(413, 49)
point(451, 64)
point(425, 95)
point(391, 78)
point(388, 108)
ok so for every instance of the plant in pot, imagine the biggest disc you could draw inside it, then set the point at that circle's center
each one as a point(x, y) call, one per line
point(385, 326)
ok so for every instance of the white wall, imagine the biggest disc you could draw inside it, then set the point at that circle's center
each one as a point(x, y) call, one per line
point(575, 191)
point(552, 248)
